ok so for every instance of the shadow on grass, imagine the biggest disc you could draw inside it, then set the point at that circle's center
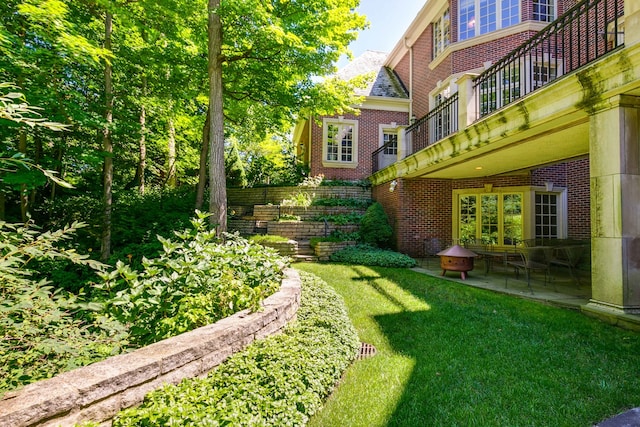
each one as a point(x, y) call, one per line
point(486, 359)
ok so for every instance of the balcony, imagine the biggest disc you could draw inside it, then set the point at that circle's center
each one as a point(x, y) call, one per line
point(586, 32)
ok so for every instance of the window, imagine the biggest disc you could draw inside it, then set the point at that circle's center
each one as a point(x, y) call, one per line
point(340, 143)
point(441, 34)
point(494, 219)
point(547, 224)
point(390, 142)
point(543, 10)
point(478, 17)
point(542, 73)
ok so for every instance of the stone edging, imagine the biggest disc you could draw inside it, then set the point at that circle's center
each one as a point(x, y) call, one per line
point(98, 391)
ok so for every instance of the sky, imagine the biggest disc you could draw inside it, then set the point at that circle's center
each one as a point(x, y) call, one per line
point(388, 20)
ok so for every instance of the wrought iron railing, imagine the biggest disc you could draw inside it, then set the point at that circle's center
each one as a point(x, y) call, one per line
point(584, 33)
point(441, 122)
point(384, 156)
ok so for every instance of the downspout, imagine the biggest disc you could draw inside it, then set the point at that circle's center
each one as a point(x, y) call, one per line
point(410, 49)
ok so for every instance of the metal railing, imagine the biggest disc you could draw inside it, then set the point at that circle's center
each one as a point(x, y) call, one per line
point(384, 156)
point(584, 33)
point(441, 122)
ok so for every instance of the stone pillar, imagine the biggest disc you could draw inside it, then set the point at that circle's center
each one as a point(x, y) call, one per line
point(614, 146)
point(631, 21)
point(467, 103)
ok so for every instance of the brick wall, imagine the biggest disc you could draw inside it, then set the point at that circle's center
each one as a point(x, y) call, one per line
point(368, 142)
point(421, 209)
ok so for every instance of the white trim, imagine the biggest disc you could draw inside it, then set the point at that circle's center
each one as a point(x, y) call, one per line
point(354, 153)
point(385, 103)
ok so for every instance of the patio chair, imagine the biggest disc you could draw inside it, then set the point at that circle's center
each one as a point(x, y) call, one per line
point(569, 257)
point(535, 258)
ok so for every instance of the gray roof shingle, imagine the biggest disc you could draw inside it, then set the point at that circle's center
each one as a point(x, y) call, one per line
point(386, 83)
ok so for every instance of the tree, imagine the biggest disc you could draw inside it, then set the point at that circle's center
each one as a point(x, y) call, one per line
point(271, 54)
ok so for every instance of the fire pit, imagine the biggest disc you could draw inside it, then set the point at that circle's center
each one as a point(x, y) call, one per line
point(457, 258)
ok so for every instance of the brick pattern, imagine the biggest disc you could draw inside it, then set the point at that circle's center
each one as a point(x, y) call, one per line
point(368, 142)
point(421, 209)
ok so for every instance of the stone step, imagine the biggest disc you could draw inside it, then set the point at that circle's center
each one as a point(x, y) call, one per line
point(305, 258)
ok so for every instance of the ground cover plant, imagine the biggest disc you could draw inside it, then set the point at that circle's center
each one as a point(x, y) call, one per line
point(449, 354)
point(197, 280)
point(279, 381)
point(369, 255)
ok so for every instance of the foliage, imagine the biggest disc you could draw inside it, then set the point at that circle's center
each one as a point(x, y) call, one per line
point(281, 380)
point(235, 169)
point(289, 217)
point(312, 181)
point(300, 199)
point(367, 255)
point(340, 219)
point(267, 238)
point(197, 280)
point(40, 334)
point(336, 201)
point(374, 227)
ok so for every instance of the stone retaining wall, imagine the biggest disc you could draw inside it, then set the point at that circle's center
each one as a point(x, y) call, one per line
point(98, 391)
point(273, 212)
point(305, 230)
point(323, 250)
point(274, 195)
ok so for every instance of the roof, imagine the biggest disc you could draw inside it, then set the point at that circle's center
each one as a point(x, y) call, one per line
point(386, 84)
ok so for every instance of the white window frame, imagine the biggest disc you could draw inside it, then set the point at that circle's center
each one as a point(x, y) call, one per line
point(550, 17)
point(342, 123)
point(441, 33)
point(479, 22)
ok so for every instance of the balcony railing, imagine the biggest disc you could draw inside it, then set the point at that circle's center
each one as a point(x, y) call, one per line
point(441, 122)
point(584, 33)
point(384, 156)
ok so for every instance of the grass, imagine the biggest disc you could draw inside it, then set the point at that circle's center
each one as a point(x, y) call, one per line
point(452, 355)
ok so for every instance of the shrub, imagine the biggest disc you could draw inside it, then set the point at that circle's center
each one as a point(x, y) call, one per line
point(261, 239)
point(197, 280)
point(40, 335)
point(367, 255)
point(374, 227)
point(278, 381)
point(301, 199)
point(336, 201)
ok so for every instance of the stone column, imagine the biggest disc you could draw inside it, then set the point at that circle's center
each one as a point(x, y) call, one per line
point(614, 146)
point(467, 102)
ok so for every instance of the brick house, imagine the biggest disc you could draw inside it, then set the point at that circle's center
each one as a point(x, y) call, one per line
point(519, 114)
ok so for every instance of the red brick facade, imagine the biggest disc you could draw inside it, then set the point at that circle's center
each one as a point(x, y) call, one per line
point(421, 209)
point(368, 142)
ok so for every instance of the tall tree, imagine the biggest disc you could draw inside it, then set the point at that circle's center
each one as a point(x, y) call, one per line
point(107, 145)
point(217, 179)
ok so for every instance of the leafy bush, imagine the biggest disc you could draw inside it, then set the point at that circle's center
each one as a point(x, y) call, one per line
point(301, 199)
point(312, 181)
point(364, 183)
point(197, 280)
point(40, 335)
point(374, 227)
point(367, 255)
point(279, 381)
point(289, 217)
point(267, 238)
point(340, 219)
point(336, 201)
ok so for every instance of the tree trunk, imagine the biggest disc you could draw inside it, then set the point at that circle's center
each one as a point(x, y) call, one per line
point(142, 162)
point(171, 155)
point(107, 146)
point(204, 152)
point(24, 193)
point(217, 179)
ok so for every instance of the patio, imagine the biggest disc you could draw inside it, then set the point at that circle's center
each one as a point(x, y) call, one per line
point(560, 290)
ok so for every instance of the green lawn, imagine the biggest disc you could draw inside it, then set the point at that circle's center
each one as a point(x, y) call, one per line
point(452, 355)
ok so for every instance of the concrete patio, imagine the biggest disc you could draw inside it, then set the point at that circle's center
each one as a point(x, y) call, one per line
point(560, 291)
